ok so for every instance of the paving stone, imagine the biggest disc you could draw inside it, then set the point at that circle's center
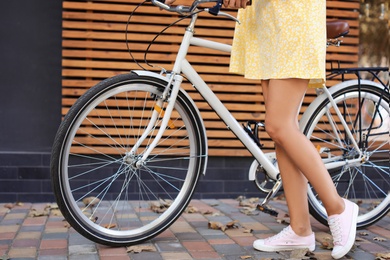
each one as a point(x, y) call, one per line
point(169, 247)
point(176, 256)
point(229, 249)
point(145, 255)
point(43, 238)
point(82, 249)
point(188, 236)
point(48, 236)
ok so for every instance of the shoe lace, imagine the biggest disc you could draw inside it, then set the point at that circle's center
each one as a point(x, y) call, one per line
point(335, 229)
point(281, 234)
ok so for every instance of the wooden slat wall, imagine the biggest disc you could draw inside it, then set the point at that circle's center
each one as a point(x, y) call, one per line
point(94, 48)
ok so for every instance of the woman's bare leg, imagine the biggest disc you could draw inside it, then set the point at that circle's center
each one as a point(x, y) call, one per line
point(296, 154)
point(297, 191)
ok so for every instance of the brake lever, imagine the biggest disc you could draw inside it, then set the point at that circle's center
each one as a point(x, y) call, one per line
point(229, 16)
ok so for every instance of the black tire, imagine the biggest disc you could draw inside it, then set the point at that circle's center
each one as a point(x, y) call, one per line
point(100, 191)
point(366, 183)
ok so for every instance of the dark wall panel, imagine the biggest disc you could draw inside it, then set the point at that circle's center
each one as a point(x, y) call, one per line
point(30, 74)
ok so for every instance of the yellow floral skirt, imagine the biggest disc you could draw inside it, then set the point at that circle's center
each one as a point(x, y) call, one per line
point(280, 39)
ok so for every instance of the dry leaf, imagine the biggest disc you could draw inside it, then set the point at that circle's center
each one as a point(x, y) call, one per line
point(39, 212)
point(246, 257)
point(140, 248)
point(250, 203)
point(380, 239)
point(66, 224)
point(326, 245)
point(382, 256)
point(191, 209)
point(232, 224)
point(217, 225)
point(56, 212)
point(207, 212)
point(283, 221)
point(249, 211)
point(241, 198)
point(325, 240)
point(363, 234)
point(19, 204)
point(52, 206)
point(110, 226)
point(9, 205)
point(91, 201)
point(300, 254)
point(160, 206)
point(280, 197)
point(248, 230)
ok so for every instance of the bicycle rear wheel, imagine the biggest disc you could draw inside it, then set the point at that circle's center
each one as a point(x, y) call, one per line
point(367, 183)
point(99, 189)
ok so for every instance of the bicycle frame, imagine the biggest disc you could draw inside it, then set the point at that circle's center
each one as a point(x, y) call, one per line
point(182, 65)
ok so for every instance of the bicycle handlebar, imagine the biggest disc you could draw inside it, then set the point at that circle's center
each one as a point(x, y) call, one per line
point(215, 10)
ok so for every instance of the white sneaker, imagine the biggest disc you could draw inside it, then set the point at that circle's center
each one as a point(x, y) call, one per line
point(286, 240)
point(343, 229)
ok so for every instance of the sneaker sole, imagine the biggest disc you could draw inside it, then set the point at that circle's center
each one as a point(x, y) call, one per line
point(351, 237)
point(282, 248)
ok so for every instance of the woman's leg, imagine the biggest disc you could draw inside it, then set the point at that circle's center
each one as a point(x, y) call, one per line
point(284, 97)
point(294, 183)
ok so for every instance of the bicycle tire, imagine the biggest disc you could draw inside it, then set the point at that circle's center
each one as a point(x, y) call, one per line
point(98, 189)
point(366, 183)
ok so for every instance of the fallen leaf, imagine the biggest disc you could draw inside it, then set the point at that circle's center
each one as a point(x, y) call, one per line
point(110, 226)
point(363, 234)
point(9, 205)
point(382, 256)
point(283, 220)
point(280, 197)
point(66, 224)
point(250, 203)
point(91, 201)
point(380, 239)
point(39, 212)
point(52, 206)
point(232, 224)
point(325, 240)
point(246, 257)
point(326, 245)
point(248, 230)
point(19, 204)
point(249, 211)
point(56, 212)
point(191, 209)
point(303, 253)
point(216, 225)
point(241, 198)
point(140, 248)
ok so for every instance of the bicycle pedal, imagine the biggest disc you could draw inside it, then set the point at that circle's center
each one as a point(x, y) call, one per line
point(267, 210)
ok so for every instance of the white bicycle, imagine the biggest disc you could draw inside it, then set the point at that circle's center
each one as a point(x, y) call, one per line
point(137, 139)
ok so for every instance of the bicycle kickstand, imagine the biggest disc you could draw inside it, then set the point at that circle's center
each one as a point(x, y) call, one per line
point(263, 206)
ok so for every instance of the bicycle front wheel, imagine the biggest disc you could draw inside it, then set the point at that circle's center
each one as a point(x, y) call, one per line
point(99, 187)
point(366, 182)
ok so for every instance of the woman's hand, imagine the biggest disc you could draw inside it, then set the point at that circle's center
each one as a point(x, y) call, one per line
point(235, 3)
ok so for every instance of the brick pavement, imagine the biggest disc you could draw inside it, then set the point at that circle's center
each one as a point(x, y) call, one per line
point(25, 234)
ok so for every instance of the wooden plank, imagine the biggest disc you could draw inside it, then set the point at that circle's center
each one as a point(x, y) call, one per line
point(94, 48)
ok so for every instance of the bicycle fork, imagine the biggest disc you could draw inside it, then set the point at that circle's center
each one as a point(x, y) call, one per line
point(169, 95)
